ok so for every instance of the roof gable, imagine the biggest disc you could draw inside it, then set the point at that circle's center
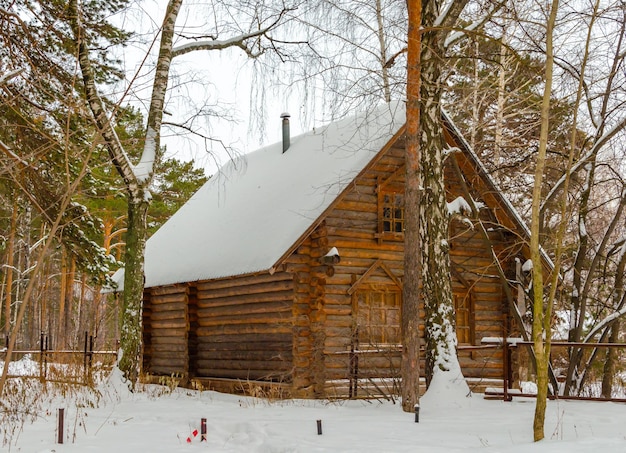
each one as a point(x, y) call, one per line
point(257, 206)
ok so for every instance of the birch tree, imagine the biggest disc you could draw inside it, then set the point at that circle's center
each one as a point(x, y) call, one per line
point(441, 28)
point(137, 177)
point(581, 211)
point(542, 307)
point(599, 211)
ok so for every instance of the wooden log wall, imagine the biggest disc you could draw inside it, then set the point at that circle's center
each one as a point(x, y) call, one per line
point(166, 330)
point(310, 314)
point(352, 227)
point(298, 324)
point(299, 265)
point(245, 327)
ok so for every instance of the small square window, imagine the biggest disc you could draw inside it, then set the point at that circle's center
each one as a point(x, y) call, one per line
point(392, 213)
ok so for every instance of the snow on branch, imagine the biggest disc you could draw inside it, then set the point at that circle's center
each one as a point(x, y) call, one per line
point(449, 151)
point(6, 77)
point(527, 266)
point(144, 169)
point(449, 16)
point(236, 41)
point(6, 150)
point(604, 323)
point(459, 206)
point(444, 14)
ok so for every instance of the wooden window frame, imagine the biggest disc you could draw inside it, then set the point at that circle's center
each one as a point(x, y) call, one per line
point(393, 192)
point(468, 316)
point(385, 339)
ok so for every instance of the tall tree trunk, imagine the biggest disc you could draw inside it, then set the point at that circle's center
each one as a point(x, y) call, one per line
point(610, 363)
point(433, 213)
point(61, 328)
point(412, 268)
point(130, 339)
point(9, 272)
point(383, 51)
point(137, 178)
point(542, 312)
point(618, 295)
point(499, 141)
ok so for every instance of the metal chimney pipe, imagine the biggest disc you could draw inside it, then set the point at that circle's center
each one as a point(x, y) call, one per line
point(286, 139)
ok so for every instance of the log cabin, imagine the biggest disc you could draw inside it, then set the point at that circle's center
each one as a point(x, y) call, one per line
point(286, 267)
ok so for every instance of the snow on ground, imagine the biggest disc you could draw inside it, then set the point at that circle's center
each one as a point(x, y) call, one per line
point(158, 420)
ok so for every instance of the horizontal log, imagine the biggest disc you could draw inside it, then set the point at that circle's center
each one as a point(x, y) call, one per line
point(246, 338)
point(360, 197)
point(228, 282)
point(261, 329)
point(169, 314)
point(349, 255)
point(265, 306)
point(297, 262)
point(338, 321)
point(170, 354)
point(244, 375)
point(484, 373)
point(166, 370)
point(170, 289)
point(253, 356)
point(169, 332)
point(245, 319)
point(175, 366)
point(334, 344)
point(156, 340)
point(238, 290)
point(338, 310)
point(169, 324)
point(169, 307)
point(168, 299)
point(357, 206)
point(266, 366)
point(357, 246)
point(340, 332)
point(342, 216)
point(181, 346)
point(207, 346)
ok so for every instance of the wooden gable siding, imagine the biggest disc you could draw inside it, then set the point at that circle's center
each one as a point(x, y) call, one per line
point(245, 327)
point(166, 330)
point(352, 227)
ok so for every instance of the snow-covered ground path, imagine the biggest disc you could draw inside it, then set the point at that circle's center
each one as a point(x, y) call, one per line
point(156, 420)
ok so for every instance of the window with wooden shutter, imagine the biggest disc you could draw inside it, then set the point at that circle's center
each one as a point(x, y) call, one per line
point(378, 317)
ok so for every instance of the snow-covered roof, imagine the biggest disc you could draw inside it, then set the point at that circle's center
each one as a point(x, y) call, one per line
point(248, 215)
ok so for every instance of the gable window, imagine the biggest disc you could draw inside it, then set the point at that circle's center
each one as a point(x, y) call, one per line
point(393, 212)
point(464, 308)
point(378, 317)
point(390, 213)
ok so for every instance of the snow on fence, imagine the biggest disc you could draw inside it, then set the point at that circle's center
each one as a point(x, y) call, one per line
point(589, 392)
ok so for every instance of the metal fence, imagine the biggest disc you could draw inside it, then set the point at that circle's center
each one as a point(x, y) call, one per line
point(72, 366)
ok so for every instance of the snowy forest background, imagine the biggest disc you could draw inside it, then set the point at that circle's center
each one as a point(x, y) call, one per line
point(64, 203)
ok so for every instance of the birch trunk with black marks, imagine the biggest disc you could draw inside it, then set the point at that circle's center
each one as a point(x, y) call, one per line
point(439, 322)
point(136, 178)
point(139, 201)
